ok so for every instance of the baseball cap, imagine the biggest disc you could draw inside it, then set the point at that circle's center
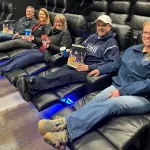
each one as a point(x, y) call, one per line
point(105, 19)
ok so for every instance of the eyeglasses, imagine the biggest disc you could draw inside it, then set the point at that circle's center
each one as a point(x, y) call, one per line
point(146, 33)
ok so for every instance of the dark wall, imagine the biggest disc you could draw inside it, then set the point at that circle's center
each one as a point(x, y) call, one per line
point(21, 6)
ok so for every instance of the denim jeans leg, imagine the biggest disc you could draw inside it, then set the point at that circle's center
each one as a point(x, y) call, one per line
point(4, 37)
point(82, 120)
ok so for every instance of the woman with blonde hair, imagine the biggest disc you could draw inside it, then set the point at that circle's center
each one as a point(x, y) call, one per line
point(59, 36)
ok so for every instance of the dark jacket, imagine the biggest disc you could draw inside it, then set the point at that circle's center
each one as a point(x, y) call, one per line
point(58, 38)
point(24, 23)
point(101, 50)
point(38, 31)
point(134, 72)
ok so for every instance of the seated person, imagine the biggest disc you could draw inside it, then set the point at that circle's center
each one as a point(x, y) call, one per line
point(102, 48)
point(129, 94)
point(42, 26)
point(23, 23)
point(59, 35)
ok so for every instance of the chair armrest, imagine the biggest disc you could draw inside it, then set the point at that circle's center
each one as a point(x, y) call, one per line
point(57, 60)
point(98, 83)
point(9, 21)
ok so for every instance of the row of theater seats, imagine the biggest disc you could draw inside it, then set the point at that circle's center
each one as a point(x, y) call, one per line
point(119, 133)
point(91, 8)
point(66, 6)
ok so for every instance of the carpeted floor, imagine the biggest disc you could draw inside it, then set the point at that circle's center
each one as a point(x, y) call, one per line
point(5, 87)
point(18, 122)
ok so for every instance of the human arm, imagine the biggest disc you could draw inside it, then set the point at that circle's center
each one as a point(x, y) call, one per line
point(82, 67)
point(65, 40)
point(136, 88)
point(110, 67)
point(109, 55)
point(36, 35)
point(114, 93)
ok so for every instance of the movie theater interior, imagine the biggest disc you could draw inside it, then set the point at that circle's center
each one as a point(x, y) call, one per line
point(37, 88)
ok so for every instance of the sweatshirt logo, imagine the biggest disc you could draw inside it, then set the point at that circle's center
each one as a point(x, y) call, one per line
point(92, 48)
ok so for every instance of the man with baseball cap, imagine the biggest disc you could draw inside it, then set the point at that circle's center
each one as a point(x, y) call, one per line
point(102, 48)
point(105, 19)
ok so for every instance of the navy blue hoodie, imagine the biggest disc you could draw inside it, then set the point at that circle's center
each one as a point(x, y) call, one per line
point(101, 50)
point(134, 72)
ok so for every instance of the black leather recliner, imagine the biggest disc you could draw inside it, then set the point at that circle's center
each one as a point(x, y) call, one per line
point(7, 11)
point(140, 15)
point(98, 8)
point(120, 11)
point(51, 5)
point(117, 133)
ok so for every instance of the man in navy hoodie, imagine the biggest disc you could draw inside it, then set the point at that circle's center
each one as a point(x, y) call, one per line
point(128, 95)
point(102, 48)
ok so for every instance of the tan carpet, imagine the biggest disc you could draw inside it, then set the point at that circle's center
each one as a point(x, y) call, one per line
point(18, 124)
point(5, 87)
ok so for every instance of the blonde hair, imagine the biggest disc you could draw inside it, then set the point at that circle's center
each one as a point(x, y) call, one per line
point(147, 55)
point(146, 23)
point(62, 18)
point(47, 16)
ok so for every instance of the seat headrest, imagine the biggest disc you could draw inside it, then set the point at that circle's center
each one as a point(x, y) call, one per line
point(76, 24)
point(124, 35)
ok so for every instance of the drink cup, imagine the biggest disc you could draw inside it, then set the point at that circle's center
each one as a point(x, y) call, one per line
point(27, 32)
point(63, 51)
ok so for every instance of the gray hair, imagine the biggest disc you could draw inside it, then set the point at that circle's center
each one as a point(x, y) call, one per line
point(31, 8)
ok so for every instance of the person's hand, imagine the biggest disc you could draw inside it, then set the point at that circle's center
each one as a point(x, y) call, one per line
point(24, 38)
point(114, 93)
point(68, 50)
point(31, 38)
point(15, 35)
point(82, 67)
point(94, 73)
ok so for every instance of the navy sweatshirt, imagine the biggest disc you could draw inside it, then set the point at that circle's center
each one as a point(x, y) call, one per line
point(134, 72)
point(101, 50)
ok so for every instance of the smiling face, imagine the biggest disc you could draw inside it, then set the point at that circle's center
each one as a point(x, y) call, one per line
point(29, 12)
point(146, 35)
point(102, 28)
point(58, 24)
point(42, 16)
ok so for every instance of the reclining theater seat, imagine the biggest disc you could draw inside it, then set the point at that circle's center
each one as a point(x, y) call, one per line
point(6, 11)
point(140, 15)
point(98, 8)
point(42, 4)
point(118, 133)
point(44, 100)
point(120, 11)
point(51, 5)
point(77, 27)
point(64, 6)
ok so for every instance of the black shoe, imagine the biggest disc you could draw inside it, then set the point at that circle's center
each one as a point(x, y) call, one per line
point(22, 86)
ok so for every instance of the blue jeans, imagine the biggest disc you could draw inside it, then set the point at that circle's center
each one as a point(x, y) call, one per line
point(66, 75)
point(4, 37)
point(23, 59)
point(102, 108)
